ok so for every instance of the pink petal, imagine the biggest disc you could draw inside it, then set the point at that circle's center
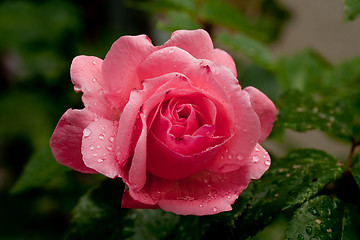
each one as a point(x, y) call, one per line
point(120, 65)
point(129, 202)
point(264, 108)
point(223, 58)
point(196, 42)
point(259, 162)
point(205, 193)
point(98, 147)
point(137, 173)
point(246, 135)
point(176, 165)
point(164, 61)
point(66, 140)
point(86, 75)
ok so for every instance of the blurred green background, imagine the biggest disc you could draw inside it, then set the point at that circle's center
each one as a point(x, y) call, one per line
point(39, 39)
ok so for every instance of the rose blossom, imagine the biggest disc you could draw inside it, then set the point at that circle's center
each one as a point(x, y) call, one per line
point(172, 121)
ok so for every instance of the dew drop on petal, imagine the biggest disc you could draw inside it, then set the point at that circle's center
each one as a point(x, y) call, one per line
point(98, 146)
point(255, 159)
point(94, 62)
point(109, 148)
point(101, 137)
point(239, 157)
point(111, 139)
point(94, 80)
point(86, 132)
point(100, 160)
point(267, 162)
point(215, 209)
point(92, 147)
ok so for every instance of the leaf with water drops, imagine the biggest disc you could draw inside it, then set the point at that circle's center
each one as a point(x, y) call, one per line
point(318, 218)
point(290, 181)
point(302, 112)
point(98, 213)
point(352, 9)
point(39, 171)
point(325, 218)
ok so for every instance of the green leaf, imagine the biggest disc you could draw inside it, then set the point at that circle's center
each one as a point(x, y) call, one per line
point(301, 112)
point(177, 20)
point(319, 218)
point(355, 169)
point(325, 218)
point(290, 181)
point(352, 9)
point(39, 171)
point(149, 224)
point(222, 13)
point(304, 71)
point(249, 47)
point(98, 212)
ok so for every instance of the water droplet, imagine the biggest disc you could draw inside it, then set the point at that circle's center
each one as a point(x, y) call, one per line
point(171, 51)
point(222, 157)
point(201, 205)
point(239, 157)
point(308, 230)
point(77, 88)
point(255, 159)
point(100, 160)
point(94, 80)
point(101, 137)
point(109, 148)
point(92, 147)
point(215, 209)
point(267, 162)
point(301, 237)
point(230, 157)
point(95, 154)
point(111, 139)
point(86, 132)
point(257, 150)
point(94, 62)
point(98, 146)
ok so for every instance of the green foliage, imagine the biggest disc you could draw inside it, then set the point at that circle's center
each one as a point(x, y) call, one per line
point(31, 34)
point(355, 169)
point(352, 9)
point(39, 171)
point(251, 48)
point(290, 181)
point(319, 218)
point(98, 212)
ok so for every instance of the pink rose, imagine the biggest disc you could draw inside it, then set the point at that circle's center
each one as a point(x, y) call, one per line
point(172, 121)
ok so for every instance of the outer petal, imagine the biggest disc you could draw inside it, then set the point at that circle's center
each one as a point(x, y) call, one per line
point(98, 147)
point(66, 140)
point(207, 192)
point(264, 108)
point(119, 67)
point(129, 202)
point(223, 58)
point(86, 75)
point(196, 42)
